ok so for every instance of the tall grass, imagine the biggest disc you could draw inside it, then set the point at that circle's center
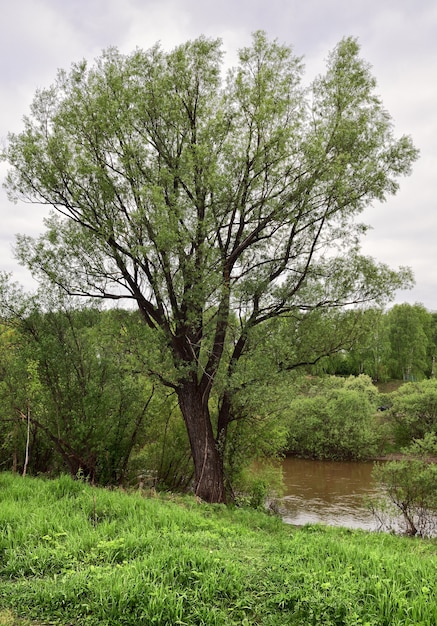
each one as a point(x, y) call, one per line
point(73, 554)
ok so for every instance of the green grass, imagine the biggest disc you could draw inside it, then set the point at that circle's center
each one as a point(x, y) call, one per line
point(73, 554)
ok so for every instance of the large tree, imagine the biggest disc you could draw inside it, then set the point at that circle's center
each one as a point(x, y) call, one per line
point(214, 202)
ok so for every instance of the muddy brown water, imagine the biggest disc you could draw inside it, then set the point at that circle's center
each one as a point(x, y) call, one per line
point(327, 492)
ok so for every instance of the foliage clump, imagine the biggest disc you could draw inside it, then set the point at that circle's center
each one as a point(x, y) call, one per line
point(410, 484)
point(413, 412)
point(334, 419)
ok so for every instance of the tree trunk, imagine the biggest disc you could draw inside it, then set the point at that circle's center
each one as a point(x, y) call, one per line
point(208, 464)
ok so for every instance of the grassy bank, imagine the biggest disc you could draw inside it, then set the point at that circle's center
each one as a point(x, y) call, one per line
point(71, 554)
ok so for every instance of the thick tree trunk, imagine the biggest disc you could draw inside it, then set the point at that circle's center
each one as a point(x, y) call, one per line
point(208, 465)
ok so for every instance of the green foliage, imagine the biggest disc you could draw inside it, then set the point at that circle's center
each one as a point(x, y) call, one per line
point(395, 344)
point(370, 354)
point(257, 430)
point(164, 461)
point(411, 486)
point(334, 419)
point(317, 340)
point(413, 413)
point(410, 338)
point(167, 560)
point(71, 371)
point(259, 485)
point(425, 448)
point(269, 376)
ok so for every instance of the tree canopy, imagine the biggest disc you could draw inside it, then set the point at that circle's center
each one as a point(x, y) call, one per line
point(215, 201)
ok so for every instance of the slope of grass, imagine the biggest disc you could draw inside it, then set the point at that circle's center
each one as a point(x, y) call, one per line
point(72, 554)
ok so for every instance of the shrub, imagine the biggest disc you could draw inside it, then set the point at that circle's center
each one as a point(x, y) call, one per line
point(335, 421)
point(414, 411)
point(411, 487)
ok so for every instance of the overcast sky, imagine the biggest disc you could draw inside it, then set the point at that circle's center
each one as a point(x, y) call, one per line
point(398, 38)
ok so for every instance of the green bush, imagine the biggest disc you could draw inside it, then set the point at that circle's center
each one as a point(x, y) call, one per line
point(414, 411)
point(335, 420)
point(410, 485)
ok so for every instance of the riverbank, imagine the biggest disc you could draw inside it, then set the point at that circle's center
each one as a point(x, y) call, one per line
point(73, 554)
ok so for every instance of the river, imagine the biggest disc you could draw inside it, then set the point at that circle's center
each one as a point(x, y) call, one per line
point(330, 492)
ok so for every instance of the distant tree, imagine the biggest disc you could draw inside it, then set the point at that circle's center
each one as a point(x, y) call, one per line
point(409, 332)
point(362, 344)
point(207, 201)
point(371, 353)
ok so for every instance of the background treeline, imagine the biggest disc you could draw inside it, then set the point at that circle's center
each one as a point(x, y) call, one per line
point(81, 391)
point(398, 344)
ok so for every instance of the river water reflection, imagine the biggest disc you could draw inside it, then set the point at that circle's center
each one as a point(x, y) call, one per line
point(330, 492)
